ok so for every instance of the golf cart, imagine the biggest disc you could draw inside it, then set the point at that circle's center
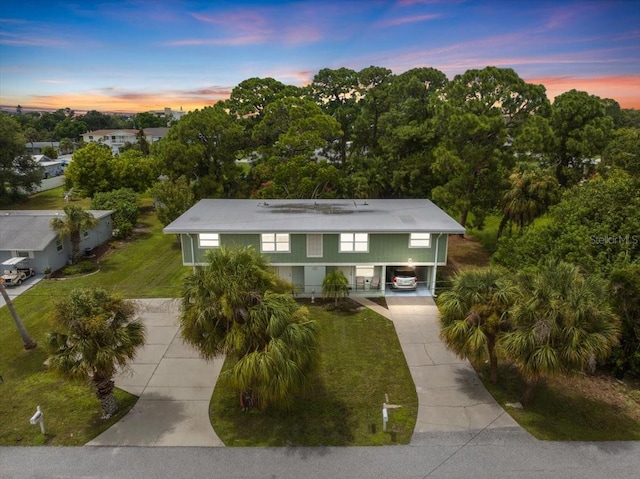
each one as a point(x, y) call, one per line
point(16, 270)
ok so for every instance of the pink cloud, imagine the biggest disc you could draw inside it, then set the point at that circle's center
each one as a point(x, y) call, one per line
point(393, 22)
point(113, 99)
point(625, 89)
point(252, 28)
point(408, 3)
point(29, 41)
point(229, 41)
point(296, 77)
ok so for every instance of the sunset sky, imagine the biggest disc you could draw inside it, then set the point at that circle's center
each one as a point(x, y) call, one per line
point(142, 55)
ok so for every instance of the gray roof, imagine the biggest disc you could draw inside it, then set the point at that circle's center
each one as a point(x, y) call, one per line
point(314, 216)
point(29, 230)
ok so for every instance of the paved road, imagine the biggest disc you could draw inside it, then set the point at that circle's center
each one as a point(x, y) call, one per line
point(495, 453)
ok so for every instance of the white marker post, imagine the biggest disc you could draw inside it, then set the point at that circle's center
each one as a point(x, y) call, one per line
point(385, 418)
point(38, 418)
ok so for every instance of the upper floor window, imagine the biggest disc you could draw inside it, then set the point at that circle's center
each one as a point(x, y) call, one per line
point(209, 240)
point(314, 246)
point(354, 242)
point(275, 242)
point(58, 244)
point(420, 240)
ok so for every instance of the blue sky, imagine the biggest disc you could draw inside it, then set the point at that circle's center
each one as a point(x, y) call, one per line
point(142, 55)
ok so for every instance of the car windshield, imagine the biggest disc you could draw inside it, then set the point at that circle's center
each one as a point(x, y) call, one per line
point(405, 272)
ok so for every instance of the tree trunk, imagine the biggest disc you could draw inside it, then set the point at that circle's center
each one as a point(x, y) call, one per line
point(503, 223)
point(75, 248)
point(26, 339)
point(104, 392)
point(493, 360)
point(529, 390)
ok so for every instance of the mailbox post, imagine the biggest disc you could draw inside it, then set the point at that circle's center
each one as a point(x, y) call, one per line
point(38, 418)
point(385, 418)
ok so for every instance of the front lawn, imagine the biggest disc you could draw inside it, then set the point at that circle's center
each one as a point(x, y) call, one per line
point(361, 361)
point(579, 408)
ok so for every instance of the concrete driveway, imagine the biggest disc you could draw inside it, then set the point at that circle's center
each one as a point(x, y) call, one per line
point(174, 384)
point(15, 291)
point(451, 397)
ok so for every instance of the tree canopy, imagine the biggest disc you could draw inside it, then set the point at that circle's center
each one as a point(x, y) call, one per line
point(19, 174)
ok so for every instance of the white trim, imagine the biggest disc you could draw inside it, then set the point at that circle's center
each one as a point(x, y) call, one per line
point(346, 245)
point(275, 242)
point(421, 240)
point(211, 240)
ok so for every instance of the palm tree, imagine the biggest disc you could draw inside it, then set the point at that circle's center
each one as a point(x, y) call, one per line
point(236, 305)
point(279, 355)
point(531, 192)
point(26, 339)
point(66, 145)
point(75, 221)
point(562, 324)
point(473, 313)
point(96, 334)
point(335, 285)
point(31, 135)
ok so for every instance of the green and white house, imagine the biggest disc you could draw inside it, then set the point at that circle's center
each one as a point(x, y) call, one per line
point(304, 239)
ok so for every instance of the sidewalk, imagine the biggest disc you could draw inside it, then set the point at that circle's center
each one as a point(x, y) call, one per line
point(451, 397)
point(174, 384)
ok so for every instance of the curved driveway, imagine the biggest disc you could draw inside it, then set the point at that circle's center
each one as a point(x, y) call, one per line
point(174, 384)
point(451, 397)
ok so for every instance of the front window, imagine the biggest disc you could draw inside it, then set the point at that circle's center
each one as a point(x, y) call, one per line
point(58, 244)
point(275, 242)
point(420, 240)
point(314, 246)
point(209, 240)
point(354, 242)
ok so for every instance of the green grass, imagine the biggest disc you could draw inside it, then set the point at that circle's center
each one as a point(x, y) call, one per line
point(48, 200)
point(71, 410)
point(571, 409)
point(148, 266)
point(361, 361)
point(488, 235)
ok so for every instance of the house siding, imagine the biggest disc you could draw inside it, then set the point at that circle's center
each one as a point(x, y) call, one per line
point(383, 248)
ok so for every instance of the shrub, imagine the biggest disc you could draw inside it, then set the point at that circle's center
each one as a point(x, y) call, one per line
point(82, 267)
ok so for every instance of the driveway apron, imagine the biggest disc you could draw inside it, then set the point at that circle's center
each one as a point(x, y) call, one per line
point(451, 397)
point(174, 385)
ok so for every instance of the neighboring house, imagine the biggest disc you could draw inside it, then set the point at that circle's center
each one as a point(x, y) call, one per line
point(29, 234)
point(365, 239)
point(36, 147)
point(50, 167)
point(116, 139)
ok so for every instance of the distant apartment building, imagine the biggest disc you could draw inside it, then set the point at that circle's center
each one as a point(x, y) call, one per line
point(169, 114)
point(116, 139)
